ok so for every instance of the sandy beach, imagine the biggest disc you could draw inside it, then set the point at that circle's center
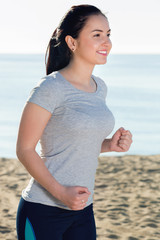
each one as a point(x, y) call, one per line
point(126, 200)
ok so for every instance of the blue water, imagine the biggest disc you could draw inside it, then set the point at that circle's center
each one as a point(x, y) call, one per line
point(133, 96)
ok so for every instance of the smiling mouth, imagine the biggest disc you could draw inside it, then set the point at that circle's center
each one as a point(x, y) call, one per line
point(104, 53)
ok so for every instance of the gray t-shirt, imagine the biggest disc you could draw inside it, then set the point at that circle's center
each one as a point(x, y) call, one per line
point(71, 141)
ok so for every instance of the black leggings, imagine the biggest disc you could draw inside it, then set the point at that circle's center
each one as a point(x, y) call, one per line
point(41, 222)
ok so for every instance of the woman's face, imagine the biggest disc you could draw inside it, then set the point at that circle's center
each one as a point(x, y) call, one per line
point(93, 44)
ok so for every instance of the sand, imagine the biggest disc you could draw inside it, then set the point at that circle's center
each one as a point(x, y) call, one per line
point(126, 201)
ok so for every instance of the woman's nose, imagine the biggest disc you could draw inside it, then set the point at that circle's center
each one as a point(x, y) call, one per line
point(107, 41)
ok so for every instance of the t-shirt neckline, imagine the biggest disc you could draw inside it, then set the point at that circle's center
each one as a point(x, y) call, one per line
point(79, 90)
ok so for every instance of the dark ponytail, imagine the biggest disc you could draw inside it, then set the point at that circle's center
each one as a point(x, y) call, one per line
point(58, 54)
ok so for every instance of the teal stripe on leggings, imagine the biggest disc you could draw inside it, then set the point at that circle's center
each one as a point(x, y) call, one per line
point(29, 232)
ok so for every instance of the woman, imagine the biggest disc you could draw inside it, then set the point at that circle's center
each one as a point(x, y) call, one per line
point(67, 112)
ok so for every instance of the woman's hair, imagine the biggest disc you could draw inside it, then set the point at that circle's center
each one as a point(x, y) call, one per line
point(58, 54)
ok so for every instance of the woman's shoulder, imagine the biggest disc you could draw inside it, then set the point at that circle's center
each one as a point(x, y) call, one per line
point(47, 93)
point(50, 84)
point(51, 80)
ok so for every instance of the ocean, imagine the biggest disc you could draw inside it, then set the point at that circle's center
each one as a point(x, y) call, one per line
point(133, 96)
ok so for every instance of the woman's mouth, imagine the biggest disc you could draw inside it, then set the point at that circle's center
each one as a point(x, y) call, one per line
point(102, 52)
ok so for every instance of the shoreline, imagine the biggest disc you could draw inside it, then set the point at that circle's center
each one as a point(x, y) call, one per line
point(126, 200)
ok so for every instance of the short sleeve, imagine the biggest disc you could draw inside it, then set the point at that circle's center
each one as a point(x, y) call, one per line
point(46, 94)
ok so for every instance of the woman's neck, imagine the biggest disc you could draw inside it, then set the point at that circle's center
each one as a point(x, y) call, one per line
point(78, 72)
point(80, 76)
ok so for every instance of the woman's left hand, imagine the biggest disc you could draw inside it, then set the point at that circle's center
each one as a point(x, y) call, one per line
point(121, 140)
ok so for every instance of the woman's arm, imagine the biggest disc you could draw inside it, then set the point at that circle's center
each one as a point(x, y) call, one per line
point(33, 122)
point(120, 142)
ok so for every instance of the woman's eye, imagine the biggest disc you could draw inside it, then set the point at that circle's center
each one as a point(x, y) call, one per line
point(97, 35)
point(108, 35)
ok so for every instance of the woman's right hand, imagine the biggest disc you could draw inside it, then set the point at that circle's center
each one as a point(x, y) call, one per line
point(74, 197)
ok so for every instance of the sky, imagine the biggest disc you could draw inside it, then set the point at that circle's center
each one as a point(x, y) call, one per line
point(26, 26)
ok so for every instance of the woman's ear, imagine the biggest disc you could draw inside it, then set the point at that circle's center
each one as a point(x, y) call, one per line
point(71, 42)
